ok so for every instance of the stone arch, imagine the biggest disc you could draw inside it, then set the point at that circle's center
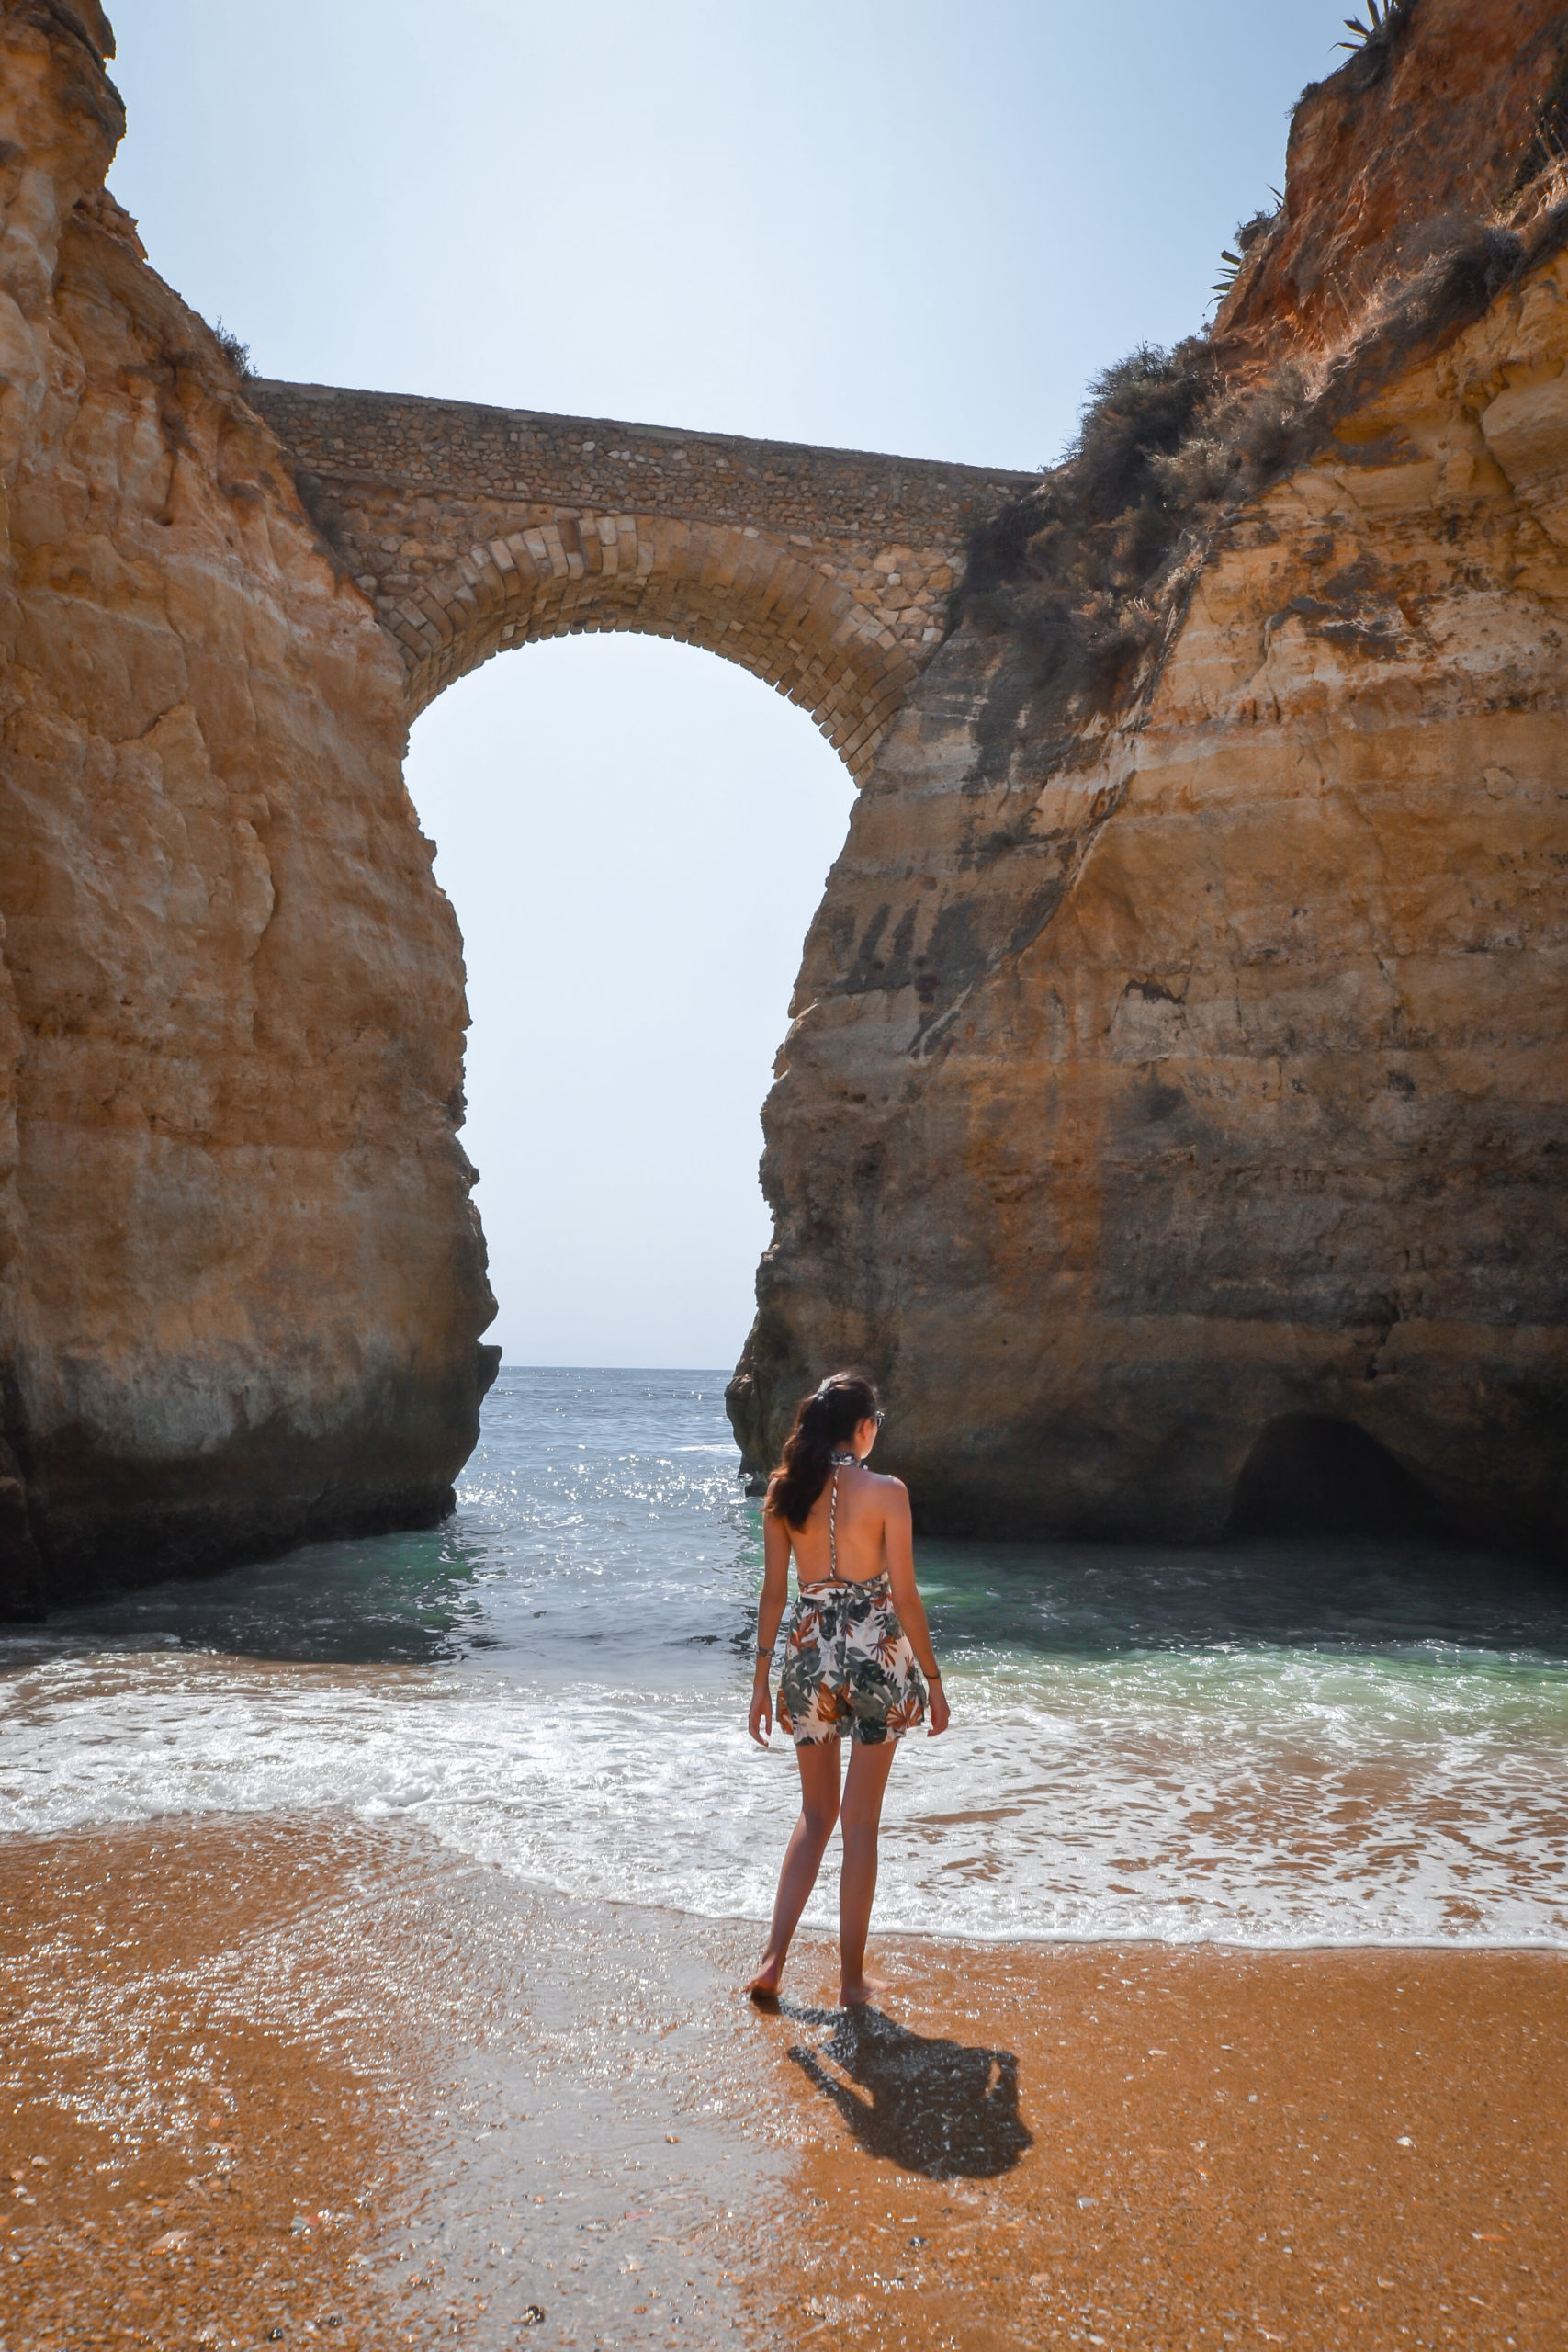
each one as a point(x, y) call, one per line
point(735, 590)
point(1309, 1474)
point(827, 573)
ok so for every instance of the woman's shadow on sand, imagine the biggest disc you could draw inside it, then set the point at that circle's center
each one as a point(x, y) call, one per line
point(934, 2107)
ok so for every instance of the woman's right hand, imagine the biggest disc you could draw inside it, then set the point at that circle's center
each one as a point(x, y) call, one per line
point(761, 1724)
point(939, 1715)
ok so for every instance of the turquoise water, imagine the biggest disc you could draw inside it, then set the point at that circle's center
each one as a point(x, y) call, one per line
point(1264, 1744)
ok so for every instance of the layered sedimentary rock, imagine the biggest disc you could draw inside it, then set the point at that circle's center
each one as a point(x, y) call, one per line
point(1174, 1112)
point(242, 1278)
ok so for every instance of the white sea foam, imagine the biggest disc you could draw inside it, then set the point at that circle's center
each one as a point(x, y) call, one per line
point(1271, 1798)
point(1354, 1746)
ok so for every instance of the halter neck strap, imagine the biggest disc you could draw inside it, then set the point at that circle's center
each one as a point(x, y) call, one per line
point(839, 1462)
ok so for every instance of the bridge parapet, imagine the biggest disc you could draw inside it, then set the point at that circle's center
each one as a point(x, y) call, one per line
point(826, 571)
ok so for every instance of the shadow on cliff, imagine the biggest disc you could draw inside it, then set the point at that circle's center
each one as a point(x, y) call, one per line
point(945, 2109)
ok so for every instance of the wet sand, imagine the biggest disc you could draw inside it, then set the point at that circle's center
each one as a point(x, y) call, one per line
point(1141, 2147)
point(324, 2079)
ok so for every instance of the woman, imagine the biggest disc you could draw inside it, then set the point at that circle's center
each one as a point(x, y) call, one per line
point(857, 1632)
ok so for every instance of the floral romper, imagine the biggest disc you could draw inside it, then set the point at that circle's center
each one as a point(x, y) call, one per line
point(848, 1664)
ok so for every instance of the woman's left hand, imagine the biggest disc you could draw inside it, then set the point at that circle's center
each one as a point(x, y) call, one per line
point(761, 1723)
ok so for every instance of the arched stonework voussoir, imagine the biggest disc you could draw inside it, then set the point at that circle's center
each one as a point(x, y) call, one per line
point(825, 571)
point(742, 593)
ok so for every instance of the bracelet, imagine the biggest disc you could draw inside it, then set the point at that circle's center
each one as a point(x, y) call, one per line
point(935, 1674)
point(762, 1653)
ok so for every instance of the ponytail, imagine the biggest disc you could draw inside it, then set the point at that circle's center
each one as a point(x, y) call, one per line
point(824, 1421)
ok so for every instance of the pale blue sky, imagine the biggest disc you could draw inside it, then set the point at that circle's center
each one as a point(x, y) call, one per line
point(913, 228)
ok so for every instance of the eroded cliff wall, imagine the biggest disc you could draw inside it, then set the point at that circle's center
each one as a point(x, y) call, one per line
point(242, 1278)
point(1174, 1083)
point(1176, 1070)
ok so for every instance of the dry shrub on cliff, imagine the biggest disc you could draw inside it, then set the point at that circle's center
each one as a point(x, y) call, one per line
point(1538, 197)
point(1080, 570)
point(1062, 568)
point(1545, 154)
point(236, 353)
point(1085, 572)
point(1448, 275)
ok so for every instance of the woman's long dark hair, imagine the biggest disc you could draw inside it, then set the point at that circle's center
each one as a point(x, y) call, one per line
point(824, 1421)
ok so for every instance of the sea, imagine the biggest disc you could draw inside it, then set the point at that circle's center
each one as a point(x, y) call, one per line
point(1288, 1744)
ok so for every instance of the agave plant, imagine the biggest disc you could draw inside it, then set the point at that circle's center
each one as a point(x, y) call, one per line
point(1230, 265)
point(1380, 19)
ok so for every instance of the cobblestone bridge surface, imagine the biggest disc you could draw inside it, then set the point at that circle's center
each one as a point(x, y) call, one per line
point(825, 571)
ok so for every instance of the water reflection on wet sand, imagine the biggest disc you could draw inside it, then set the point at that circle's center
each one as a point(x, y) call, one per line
point(323, 2079)
point(313, 2076)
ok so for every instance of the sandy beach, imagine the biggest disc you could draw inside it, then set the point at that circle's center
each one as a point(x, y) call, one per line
point(276, 2080)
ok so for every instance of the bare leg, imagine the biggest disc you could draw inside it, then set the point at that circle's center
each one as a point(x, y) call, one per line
point(803, 1856)
point(863, 1788)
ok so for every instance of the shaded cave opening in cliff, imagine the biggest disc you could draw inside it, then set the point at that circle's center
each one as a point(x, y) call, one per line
point(634, 836)
point(1310, 1474)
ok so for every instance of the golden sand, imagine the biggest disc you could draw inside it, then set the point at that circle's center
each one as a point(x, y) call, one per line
point(1144, 2147)
point(323, 2079)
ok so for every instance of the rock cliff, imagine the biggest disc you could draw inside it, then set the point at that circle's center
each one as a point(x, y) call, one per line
point(244, 1280)
point(1174, 1114)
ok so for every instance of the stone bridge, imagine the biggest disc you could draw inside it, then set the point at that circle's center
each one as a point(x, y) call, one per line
point(824, 571)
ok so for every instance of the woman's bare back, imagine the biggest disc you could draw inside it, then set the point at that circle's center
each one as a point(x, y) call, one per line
point(859, 1529)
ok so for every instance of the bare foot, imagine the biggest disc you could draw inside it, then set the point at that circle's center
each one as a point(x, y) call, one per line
point(861, 1993)
point(764, 1986)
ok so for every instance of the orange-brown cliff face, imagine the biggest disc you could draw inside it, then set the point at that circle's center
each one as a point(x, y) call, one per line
point(242, 1278)
point(1437, 117)
point(1176, 1110)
